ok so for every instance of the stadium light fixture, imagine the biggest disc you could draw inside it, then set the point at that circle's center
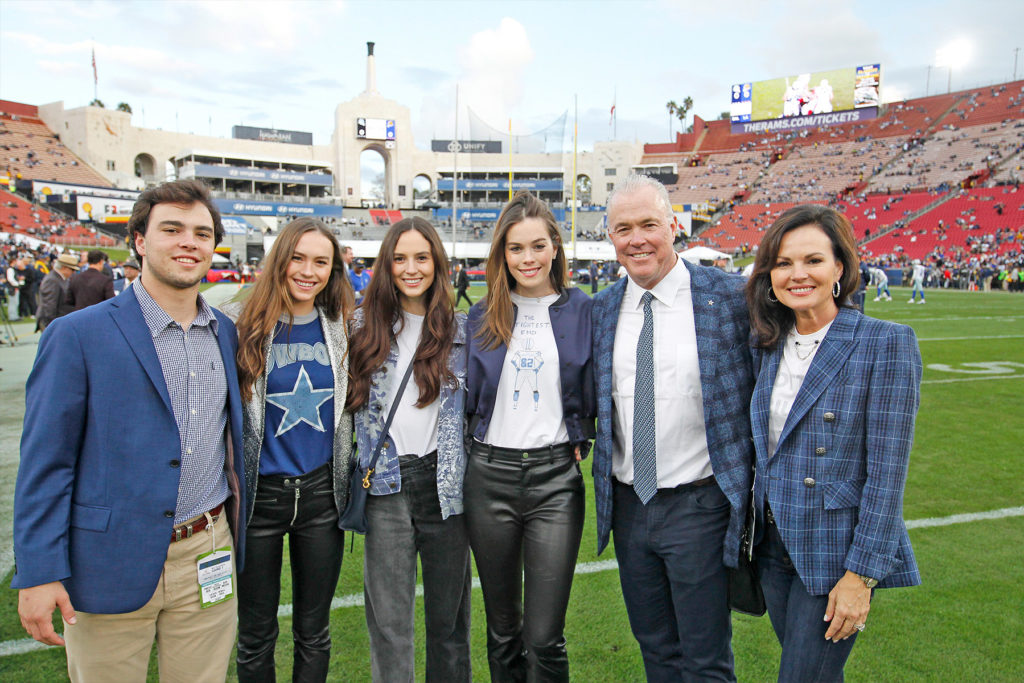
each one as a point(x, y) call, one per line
point(953, 56)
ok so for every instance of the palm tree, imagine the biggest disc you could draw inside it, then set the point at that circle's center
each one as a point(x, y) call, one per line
point(681, 111)
point(97, 103)
point(672, 109)
point(124, 106)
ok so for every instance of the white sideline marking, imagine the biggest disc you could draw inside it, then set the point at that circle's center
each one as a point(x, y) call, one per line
point(967, 517)
point(971, 379)
point(991, 336)
point(18, 647)
point(1005, 319)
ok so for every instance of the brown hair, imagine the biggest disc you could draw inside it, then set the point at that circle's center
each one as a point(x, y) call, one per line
point(270, 297)
point(770, 320)
point(496, 327)
point(185, 192)
point(382, 308)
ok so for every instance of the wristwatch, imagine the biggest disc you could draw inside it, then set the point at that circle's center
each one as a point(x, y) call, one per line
point(870, 583)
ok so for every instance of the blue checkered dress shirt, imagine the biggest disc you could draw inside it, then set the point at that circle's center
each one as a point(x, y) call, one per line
point(194, 372)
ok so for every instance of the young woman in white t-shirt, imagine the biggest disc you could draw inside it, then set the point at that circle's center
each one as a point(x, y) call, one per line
point(531, 408)
point(415, 504)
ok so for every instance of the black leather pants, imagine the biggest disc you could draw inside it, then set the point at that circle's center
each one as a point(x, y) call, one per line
point(525, 516)
point(302, 507)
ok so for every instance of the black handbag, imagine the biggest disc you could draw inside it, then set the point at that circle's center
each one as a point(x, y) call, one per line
point(354, 516)
point(745, 593)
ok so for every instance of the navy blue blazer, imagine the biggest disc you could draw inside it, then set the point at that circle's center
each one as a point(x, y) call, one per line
point(835, 482)
point(723, 353)
point(96, 480)
point(570, 323)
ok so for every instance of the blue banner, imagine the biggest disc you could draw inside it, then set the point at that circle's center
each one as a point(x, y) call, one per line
point(485, 215)
point(235, 225)
point(256, 208)
point(495, 184)
point(810, 121)
point(263, 175)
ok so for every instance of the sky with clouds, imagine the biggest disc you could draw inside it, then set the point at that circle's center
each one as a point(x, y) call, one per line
point(205, 66)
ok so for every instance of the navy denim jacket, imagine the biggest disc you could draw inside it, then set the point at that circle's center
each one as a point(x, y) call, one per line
point(570, 323)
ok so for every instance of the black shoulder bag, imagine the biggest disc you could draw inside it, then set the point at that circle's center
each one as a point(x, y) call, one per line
point(354, 516)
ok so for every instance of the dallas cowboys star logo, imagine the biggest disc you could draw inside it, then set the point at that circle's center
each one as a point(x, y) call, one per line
point(301, 404)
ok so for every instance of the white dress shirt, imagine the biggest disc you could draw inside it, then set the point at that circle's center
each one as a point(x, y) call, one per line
point(682, 447)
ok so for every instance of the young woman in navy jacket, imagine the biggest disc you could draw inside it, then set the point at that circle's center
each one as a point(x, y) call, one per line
point(531, 409)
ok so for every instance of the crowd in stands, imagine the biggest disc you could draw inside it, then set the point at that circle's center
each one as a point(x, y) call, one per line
point(30, 150)
point(936, 179)
point(18, 215)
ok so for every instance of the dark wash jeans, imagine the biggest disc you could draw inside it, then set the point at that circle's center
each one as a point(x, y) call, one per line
point(525, 514)
point(797, 617)
point(401, 526)
point(302, 507)
point(674, 583)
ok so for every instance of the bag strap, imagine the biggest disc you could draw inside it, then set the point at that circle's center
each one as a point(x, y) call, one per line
point(387, 425)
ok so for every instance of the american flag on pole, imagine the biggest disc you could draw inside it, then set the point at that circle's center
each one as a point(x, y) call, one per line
point(95, 76)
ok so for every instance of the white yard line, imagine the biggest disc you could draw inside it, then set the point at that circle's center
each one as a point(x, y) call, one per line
point(971, 379)
point(993, 336)
point(17, 647)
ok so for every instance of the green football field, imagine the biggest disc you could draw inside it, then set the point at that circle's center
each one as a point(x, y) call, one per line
point(964, 505)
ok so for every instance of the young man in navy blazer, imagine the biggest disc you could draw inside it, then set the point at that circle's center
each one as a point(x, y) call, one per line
point(672, 458)
point(131, 471)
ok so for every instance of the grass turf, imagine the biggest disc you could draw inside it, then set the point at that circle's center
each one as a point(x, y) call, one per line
point(958, 626)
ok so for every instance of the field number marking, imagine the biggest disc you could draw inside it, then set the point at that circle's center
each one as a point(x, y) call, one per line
point(998, 367)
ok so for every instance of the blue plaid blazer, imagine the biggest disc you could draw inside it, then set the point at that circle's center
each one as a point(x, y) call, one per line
point(723, 352)
point(835, 482)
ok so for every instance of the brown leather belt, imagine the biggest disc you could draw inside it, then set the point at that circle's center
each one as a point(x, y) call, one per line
point(187, 530)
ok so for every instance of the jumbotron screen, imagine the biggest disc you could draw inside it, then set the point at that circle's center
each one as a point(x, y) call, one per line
point(805, 100)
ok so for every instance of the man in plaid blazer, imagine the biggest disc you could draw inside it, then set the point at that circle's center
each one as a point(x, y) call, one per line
point(672, 549)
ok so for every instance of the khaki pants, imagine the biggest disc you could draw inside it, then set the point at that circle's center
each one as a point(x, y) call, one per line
point(193, 644)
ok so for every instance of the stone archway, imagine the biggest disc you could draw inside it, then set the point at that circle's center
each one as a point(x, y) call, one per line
point(422, 188)
point(145, 166)
point(375, 176)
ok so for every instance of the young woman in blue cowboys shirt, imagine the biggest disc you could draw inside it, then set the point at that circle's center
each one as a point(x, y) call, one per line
point(293, 373)
point(415, 502)
point(531, 408)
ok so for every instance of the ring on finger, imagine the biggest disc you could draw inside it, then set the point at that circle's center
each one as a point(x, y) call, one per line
point(860, 627)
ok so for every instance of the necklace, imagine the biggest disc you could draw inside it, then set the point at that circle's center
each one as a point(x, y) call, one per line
point(813, 345)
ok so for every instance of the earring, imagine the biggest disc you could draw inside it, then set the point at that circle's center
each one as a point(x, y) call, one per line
point(771, 295)
point(836, 289)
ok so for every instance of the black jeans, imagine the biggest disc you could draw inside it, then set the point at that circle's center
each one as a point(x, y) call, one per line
point(302, 507)
point(525, 513)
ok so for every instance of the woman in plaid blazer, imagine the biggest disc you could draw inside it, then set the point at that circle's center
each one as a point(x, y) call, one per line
point(832, 417)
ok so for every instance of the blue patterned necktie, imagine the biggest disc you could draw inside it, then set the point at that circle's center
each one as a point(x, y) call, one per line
point(645, 464)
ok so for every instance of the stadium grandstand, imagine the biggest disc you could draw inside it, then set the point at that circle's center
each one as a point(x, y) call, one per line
point(919, 178)
point(934, 178)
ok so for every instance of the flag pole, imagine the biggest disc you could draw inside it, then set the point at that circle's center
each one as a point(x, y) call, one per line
point(575, 136)
point(510, 158)
point(455, 171)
